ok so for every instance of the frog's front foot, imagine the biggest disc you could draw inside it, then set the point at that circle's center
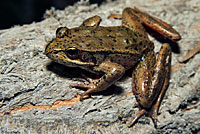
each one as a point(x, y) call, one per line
point(86, 94)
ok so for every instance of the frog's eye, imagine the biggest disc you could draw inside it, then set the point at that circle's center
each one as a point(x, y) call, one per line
point(72, 53)
point(61, 32)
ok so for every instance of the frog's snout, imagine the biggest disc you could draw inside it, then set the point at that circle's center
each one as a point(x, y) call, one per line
point(49, 49)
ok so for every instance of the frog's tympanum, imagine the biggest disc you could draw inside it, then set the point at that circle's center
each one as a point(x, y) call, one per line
point(112, 50)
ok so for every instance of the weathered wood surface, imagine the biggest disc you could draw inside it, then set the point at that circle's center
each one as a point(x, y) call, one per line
point(35, 92)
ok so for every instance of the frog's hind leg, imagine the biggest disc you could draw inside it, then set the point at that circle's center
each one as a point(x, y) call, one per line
point(150, 81)
point(136, 16)
point(163, 64)
point(158, 25)
point(156, 105)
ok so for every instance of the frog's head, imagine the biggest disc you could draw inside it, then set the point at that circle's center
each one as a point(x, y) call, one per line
point(63, 50)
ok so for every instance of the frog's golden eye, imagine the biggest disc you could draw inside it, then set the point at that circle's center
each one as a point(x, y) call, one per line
point(61, 32)
point(72, 53)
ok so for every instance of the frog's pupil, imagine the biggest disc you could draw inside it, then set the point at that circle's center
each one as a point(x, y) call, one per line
point(72, 53)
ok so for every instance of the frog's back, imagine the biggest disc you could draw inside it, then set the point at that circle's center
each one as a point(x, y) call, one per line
point(113, 39)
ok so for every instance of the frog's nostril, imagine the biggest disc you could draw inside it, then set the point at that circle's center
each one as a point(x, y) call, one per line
point(55, 51)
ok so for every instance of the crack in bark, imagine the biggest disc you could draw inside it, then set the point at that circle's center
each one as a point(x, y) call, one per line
point(17, 94)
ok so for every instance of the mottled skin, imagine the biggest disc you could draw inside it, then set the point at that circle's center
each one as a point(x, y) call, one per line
point(110, 51)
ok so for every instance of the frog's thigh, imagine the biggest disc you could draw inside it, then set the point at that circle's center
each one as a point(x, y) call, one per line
point(132, 21)
point(92, 21)
point(113, 72)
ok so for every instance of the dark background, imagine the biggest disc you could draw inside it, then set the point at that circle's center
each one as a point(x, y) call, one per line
point(19, 12)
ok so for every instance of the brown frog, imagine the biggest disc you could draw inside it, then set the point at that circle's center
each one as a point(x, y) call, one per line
point(110, 51)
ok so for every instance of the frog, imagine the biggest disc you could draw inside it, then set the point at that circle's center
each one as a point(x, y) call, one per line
point(108, 51)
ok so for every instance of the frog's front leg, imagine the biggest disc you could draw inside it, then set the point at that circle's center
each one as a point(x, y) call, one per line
point(150, 80)
point(113, 72)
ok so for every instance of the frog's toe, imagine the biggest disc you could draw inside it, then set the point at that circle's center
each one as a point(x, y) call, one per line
point(84, 96)
point(136, 105)
point(79, 86)
point(154, 116)
point(155, 120)
point(140, 113)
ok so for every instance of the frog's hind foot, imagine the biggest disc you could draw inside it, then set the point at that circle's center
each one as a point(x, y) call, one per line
point(152, 113)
